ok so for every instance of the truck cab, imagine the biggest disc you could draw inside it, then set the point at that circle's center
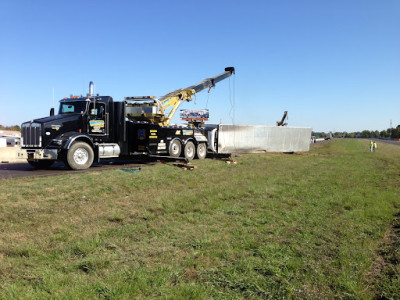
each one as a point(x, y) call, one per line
point(80, 133)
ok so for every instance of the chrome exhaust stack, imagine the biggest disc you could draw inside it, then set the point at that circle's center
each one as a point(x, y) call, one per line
point(91, 88)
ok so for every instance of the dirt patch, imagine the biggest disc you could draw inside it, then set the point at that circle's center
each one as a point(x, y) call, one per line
point(387, 258)
point(376, 270)
point(191, 273)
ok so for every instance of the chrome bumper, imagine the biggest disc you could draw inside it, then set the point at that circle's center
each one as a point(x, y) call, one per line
point(32, 154)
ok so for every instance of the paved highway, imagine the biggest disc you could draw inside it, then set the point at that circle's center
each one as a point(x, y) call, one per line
point(374, 139)
point(387, 141)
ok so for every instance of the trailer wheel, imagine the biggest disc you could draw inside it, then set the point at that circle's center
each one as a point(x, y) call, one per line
point(201, 151)
point(190, 150)
point(175, 148)
point(41, 164)
point(80, 156)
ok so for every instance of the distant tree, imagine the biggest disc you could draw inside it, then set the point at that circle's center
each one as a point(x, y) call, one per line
point(318, 134)
point(384, 134)
point(351, 135)
point(16, 128)
point(337, 134)
point(375, 134)
point(12, 128)
point(365, 134)
point(395, 132)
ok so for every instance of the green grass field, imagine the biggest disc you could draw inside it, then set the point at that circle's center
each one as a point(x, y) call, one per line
point(317, 225)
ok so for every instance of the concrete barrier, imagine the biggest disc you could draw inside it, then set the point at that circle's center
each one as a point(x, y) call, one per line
point(11, 155)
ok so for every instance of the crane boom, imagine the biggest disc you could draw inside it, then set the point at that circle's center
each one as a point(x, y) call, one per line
point(210, 82)
point(281, 122)
point(155, 110)
point(206, 83)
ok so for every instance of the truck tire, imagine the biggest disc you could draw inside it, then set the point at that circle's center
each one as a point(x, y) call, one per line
point(189, 151)
point(175, 148)
point(80, 156)
point(41, 164)
point(201, 151)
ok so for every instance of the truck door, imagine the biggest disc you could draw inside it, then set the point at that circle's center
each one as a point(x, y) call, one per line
point(98, 124)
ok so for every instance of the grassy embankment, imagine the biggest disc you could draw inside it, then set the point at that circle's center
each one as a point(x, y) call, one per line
point(308, 225)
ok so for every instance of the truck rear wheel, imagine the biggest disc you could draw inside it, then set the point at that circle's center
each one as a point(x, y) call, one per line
point(175, 148)
point(201, 151)
point(189, 151)
point(41, 164)
point(80, 156)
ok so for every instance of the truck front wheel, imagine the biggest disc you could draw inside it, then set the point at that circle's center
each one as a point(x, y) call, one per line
point(80, 156)
point(190, 150)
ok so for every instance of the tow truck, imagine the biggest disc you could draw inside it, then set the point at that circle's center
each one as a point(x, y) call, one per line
point(91, 128)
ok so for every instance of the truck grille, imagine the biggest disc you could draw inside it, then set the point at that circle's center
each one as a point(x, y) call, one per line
point(31, 135)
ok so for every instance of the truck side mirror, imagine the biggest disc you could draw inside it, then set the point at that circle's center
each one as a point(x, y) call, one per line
point(52, 112)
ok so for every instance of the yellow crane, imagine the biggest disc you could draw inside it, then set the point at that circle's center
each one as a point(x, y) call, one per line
point(281, 122)
point(153, 110)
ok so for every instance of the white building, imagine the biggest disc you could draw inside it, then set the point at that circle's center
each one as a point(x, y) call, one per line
point(10, 138)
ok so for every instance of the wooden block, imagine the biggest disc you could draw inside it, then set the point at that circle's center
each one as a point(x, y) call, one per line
point(229, 161)
point(185, 166)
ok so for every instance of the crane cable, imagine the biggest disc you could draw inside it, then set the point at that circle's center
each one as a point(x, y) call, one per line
point(208, 97)
point(232, 101)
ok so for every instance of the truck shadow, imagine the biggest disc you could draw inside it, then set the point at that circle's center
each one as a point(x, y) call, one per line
point(17, 170)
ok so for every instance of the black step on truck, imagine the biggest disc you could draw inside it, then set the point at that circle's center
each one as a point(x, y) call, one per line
point(91, 128)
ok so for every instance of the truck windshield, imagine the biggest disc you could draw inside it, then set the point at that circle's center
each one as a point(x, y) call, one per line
point(76, 107)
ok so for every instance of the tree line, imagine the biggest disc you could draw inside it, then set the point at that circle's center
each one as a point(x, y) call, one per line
point(393, 133)
point(11, 128)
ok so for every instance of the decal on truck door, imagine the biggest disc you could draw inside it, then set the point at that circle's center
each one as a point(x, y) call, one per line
point(141, 134)
point(96, 126)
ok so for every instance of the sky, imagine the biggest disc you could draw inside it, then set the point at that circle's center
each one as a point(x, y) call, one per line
point(333, 65)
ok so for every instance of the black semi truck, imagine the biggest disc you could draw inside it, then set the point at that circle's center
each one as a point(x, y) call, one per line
point(87, 129)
